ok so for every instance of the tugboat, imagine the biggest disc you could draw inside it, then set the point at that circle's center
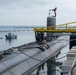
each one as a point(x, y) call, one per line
point(11, 36)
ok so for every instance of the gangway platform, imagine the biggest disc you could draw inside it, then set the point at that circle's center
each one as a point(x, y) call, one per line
point(61, 28)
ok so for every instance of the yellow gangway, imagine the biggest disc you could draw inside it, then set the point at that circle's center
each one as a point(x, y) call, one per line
point(66, 27)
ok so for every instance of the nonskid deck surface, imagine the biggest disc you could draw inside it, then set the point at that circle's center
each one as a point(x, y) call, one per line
point(29, 54)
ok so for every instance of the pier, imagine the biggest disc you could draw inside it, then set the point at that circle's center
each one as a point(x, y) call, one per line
point(69, 66)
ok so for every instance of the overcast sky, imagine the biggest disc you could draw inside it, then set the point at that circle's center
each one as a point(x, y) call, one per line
point(34, 12)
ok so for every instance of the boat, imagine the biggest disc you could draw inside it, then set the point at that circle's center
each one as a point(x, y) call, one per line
point(10, 36)
point(1, 37)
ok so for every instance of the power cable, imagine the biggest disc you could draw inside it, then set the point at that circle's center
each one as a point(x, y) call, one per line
point(38, 59)
point(28, 56)
point(32, 57)
point(53, 44)
point(38, 47)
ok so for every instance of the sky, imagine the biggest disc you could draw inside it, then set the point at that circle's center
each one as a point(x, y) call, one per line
point(35, 12)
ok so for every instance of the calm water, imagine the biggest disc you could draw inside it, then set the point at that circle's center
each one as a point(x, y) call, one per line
point(23, 37)
point(54, 69)
point(26, 36)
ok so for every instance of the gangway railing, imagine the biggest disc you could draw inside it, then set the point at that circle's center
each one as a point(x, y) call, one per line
point(66, 27)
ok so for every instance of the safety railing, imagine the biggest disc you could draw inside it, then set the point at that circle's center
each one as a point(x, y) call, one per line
point(66, 27)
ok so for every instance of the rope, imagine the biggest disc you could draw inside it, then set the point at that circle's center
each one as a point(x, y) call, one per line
point(29, 56)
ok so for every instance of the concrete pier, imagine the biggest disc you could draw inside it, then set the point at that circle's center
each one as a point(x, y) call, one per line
point(68, 66)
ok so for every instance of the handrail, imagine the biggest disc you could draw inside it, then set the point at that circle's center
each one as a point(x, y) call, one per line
point(57, 27)
point(66, 23)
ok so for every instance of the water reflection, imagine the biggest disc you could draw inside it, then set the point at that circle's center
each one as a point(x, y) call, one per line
point(39, 69)
point(51, 67)
point(9, 41)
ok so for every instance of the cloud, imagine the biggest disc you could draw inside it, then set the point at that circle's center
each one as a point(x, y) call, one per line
point(22, 3)
point(17, 11)
point(34, 12)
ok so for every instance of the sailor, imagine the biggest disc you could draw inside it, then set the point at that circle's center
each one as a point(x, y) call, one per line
point(42, 36)
point(39, 37)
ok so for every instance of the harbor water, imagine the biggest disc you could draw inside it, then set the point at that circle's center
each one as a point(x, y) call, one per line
point(24, 36)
